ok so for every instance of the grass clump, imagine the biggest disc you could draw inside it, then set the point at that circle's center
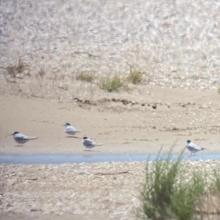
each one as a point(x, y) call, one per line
point(17, 68)
point(186, 196)
point(217, 180)
point(84, 76)
point(135, 76)
point(111, 84)
point(166, 194)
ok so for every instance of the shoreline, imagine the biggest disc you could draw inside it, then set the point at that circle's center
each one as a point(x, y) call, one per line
point(91, 157)
point(119, 127)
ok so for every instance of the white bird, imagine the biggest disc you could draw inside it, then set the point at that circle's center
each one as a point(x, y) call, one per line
point(21, 138)
point(69, 129)
point(88, 143)
point(193, 148)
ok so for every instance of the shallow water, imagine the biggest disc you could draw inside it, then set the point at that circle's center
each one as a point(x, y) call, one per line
point(94, 158)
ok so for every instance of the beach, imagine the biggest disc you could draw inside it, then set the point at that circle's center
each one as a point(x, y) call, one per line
point(135, 76)
point(80, 191)
point(119, 128)
point(97, 190)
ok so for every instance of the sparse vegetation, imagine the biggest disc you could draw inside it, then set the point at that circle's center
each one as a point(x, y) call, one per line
point(84, 76)
point(168, 194)
point(42, 72)
point(186, 196)
point(135, 76)
point(217, 180)
point(19, 67)
point(111, 84)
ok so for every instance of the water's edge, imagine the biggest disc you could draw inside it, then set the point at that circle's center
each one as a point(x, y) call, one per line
point(94, 158)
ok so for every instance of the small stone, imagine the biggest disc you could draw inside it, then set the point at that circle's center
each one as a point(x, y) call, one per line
point(154, 106)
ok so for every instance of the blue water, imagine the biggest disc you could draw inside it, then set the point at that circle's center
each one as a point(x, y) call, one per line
point(94, 158)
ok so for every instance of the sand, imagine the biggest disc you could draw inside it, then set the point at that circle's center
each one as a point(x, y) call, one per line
point(160, 117)
point(80, 191)
point(43, 49)
point(134, 124)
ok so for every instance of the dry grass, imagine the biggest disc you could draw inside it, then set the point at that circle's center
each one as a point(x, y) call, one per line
point(111, 84)
point(19, 67)
point(85, 76)
point(135, 76)
point(42, 73)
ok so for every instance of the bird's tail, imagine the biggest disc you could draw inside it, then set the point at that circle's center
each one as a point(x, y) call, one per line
point(32, 138)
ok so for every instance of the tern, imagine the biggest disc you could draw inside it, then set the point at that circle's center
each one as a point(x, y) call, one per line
point(21, 138)
point(69, 129)
point(88, 143)
point(193, 148)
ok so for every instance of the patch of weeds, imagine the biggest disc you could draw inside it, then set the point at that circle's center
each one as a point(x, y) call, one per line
point(135, 76)
point(42, 72)
point(186, 196)
point(13, 70)
point(218, 90)
point(111, 84)
point(84, 76)
point(217, 180)
point(166, 194)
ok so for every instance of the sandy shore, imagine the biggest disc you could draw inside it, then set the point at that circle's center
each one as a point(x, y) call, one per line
point(140, 124)
point(77, 191)
point(46, 45)
point(160, 117)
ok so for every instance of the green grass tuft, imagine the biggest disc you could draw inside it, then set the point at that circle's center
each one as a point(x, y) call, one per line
point(216, 175)
point(166, 194)
point(186, 196)
point(111, 84)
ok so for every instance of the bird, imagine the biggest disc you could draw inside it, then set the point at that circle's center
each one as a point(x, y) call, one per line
point(88, 143)
point(69, 129)
point(22, 138)
point(193, 148)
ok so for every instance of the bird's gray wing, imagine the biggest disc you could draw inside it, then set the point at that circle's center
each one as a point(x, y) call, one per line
point(21, 136)
point(70, 129)
point(194, 146)
point(89, 143)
